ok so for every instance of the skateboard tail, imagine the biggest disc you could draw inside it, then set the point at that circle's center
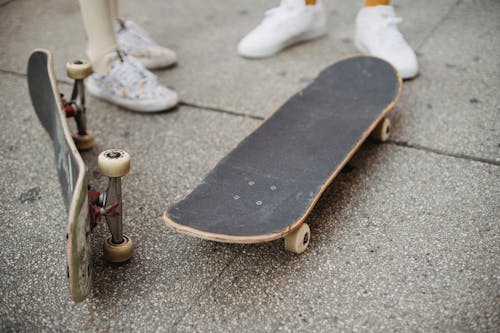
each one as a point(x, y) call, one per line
point(40, 72)
point(221, 237)
point(80, 274)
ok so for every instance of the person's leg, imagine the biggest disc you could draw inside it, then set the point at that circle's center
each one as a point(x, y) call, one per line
point(113, 6)
point(100, 34)
point(136, 42)
point(291, 22)
point(377, 34)
point(118, 78)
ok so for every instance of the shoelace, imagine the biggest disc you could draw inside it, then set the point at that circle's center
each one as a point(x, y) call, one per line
point(391, 34)
point(130, 72)
point(273, 11)
point(139, 31)
point(140, 67)
point(284, 6)
point(136, 35)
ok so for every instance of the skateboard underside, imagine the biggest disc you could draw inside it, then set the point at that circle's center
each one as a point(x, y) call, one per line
point(70, 169)
point(269, 183)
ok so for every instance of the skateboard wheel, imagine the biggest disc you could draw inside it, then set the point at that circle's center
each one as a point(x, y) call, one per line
point(114, 163)
point(83, 142)
point(382, 131)
point(117, 253)
point(78, 69)
point(298, 240)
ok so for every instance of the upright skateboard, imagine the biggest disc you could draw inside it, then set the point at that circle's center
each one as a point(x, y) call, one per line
point(266, 187)
point(84, 206)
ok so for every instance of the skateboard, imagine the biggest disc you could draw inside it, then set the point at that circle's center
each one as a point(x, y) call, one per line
point(265, 188)
point(84, 206)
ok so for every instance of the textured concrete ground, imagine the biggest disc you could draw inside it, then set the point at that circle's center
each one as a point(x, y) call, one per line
point(408, 240)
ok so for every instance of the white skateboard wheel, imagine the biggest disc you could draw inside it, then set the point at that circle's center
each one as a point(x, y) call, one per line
point(78, 69)
point(114, 163)
point(382, 131)
point(83, 142)
point(298, 240)
point(117, 253)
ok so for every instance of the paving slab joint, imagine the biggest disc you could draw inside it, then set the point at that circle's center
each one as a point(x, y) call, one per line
point(407, 144)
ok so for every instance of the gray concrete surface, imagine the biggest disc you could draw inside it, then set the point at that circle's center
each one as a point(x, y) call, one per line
point(408, 240)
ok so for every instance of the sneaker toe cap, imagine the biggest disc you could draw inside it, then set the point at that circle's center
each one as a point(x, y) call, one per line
point(406, 65)
point(254, 45)
point(166, 97)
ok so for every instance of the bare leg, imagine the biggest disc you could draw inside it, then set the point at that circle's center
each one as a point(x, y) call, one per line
point(135, 41)
point(101, 38)
point(118, 78)
point(113, 5)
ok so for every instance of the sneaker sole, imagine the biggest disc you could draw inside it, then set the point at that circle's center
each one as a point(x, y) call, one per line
point(156, 64)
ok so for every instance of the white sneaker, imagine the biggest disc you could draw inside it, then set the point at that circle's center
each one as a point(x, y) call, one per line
point(292, 22)
point(137, 43)
point(377, 34)
point(130, 85)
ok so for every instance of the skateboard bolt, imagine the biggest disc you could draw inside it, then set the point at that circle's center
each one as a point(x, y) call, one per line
point(306, 239)
point(113, 154)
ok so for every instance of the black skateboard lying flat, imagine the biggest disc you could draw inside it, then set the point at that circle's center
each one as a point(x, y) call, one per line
point(266, 187)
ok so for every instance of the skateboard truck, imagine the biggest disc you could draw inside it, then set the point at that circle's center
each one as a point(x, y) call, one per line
point(78, 70)
point(113, 163)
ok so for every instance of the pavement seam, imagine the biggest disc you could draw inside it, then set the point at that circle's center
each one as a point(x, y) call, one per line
point(407, 144)
point(6, 3)
point(404, 144)
point(4, 71)
point(25, 75)
point(182, 103)
point(204, 292)
point(443, 19)
point(232, 113)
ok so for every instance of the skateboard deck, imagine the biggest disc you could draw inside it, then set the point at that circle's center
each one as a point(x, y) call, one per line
point(71, 169)
point(267, 186)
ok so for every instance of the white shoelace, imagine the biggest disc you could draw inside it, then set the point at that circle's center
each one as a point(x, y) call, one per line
point(284, 6)
point(135, 35)
point(134, 28)
point(390, 32)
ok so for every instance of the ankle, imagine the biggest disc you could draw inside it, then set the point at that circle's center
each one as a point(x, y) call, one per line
point(99, 60)
point(371, 3)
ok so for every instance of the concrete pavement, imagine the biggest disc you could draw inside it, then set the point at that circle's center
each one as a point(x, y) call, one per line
point(408, 240)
